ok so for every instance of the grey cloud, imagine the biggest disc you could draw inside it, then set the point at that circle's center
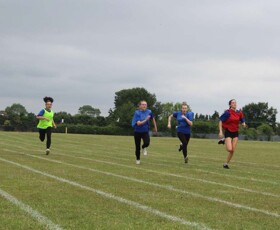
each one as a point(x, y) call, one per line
point(82, 52)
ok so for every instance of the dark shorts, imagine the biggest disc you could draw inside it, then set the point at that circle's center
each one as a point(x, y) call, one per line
point(230, 134)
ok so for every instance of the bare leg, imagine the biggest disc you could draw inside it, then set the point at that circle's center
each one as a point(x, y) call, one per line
point(230, 146)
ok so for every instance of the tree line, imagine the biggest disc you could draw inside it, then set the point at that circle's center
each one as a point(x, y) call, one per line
point(260, 118)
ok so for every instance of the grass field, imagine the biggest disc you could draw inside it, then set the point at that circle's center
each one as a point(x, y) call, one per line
point(92, 182)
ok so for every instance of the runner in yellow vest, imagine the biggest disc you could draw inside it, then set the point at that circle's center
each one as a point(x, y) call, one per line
point(46, 122)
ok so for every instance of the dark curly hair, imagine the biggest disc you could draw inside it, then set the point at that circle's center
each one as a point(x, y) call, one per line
point(47, 99)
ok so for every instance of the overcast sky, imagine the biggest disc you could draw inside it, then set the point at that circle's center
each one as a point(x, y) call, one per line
point(82, 52)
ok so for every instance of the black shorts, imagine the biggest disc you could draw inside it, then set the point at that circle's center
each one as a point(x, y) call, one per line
point(230, 134)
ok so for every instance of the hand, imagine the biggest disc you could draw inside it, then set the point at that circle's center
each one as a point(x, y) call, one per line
point(169, 126)
point(148, 117)
point(183, 116)
point(47, 119)
point(244, 125)
point(55, 126)
point(221, 135)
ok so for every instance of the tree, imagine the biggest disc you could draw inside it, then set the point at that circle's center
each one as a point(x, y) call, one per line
point(251, 133)
point(134, 95)
point(124, 115)
point(215, 116)
point(278, 128)
point(16, 109)
point(166, 109)
point(63, 117)
point(8, 126)
point(89, 110)
point(83, 119)
point(16, 114)
point(259, 113)
point(3, 117)
point(266, 130)
point(126, 101)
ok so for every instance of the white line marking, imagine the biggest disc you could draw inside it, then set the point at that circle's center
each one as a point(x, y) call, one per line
point(176, 175)
point(194, 156)
point(113, 197)
point(167, 187)
point(238, 177)
point(26, 208)
point(169, 174)
point(199, 170)
point(198, 165)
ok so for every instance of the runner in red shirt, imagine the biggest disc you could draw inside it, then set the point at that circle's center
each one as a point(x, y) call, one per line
point(229, 121)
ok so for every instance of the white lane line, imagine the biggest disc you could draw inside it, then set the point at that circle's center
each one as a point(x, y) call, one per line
point(113, 197)
point(201, 157)
point(170, 174)
point(206, 158)
point(199, 170)
point(26, 208)
point(176, 175)
point(167, 187)
point(238, 177)
point(198, 165)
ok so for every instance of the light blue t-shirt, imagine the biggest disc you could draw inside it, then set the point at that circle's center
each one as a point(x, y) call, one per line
point(140, 115)
point(183, 126)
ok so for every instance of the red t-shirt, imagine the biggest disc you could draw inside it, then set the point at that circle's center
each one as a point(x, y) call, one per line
point(231, 118)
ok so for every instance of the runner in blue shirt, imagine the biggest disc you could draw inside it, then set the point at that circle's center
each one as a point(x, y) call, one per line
point(140, 123)
point(185, 121)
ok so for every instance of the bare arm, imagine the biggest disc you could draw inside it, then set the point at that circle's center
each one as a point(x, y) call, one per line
point(155, 124)
point(54, 125)
point(144, 121)
point(220, 129)
point(169, 121)
point(42, 118)
point(190, 123)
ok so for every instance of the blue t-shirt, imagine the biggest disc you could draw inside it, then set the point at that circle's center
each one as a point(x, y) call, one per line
point(140, 115)
point(226, 116)
point(183, 126)
point(41, 113)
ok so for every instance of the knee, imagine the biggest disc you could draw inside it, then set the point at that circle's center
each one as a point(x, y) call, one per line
point(231, 151)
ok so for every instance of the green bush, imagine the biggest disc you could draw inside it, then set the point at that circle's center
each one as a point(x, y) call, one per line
point(89, 129)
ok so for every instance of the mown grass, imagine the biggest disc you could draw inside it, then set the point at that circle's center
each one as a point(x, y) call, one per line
point(244, 197)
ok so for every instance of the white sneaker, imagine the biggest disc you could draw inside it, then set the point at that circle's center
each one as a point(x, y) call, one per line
point(138, 162)
point(145, 152)
point(48, 151)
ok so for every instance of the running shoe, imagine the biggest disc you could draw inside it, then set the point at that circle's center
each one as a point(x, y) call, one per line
point(138, 162)
point(186, 159)
point(221, 141)
point(48, 151)
point(225, 166)
point(145, 152)
point(180, 148)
